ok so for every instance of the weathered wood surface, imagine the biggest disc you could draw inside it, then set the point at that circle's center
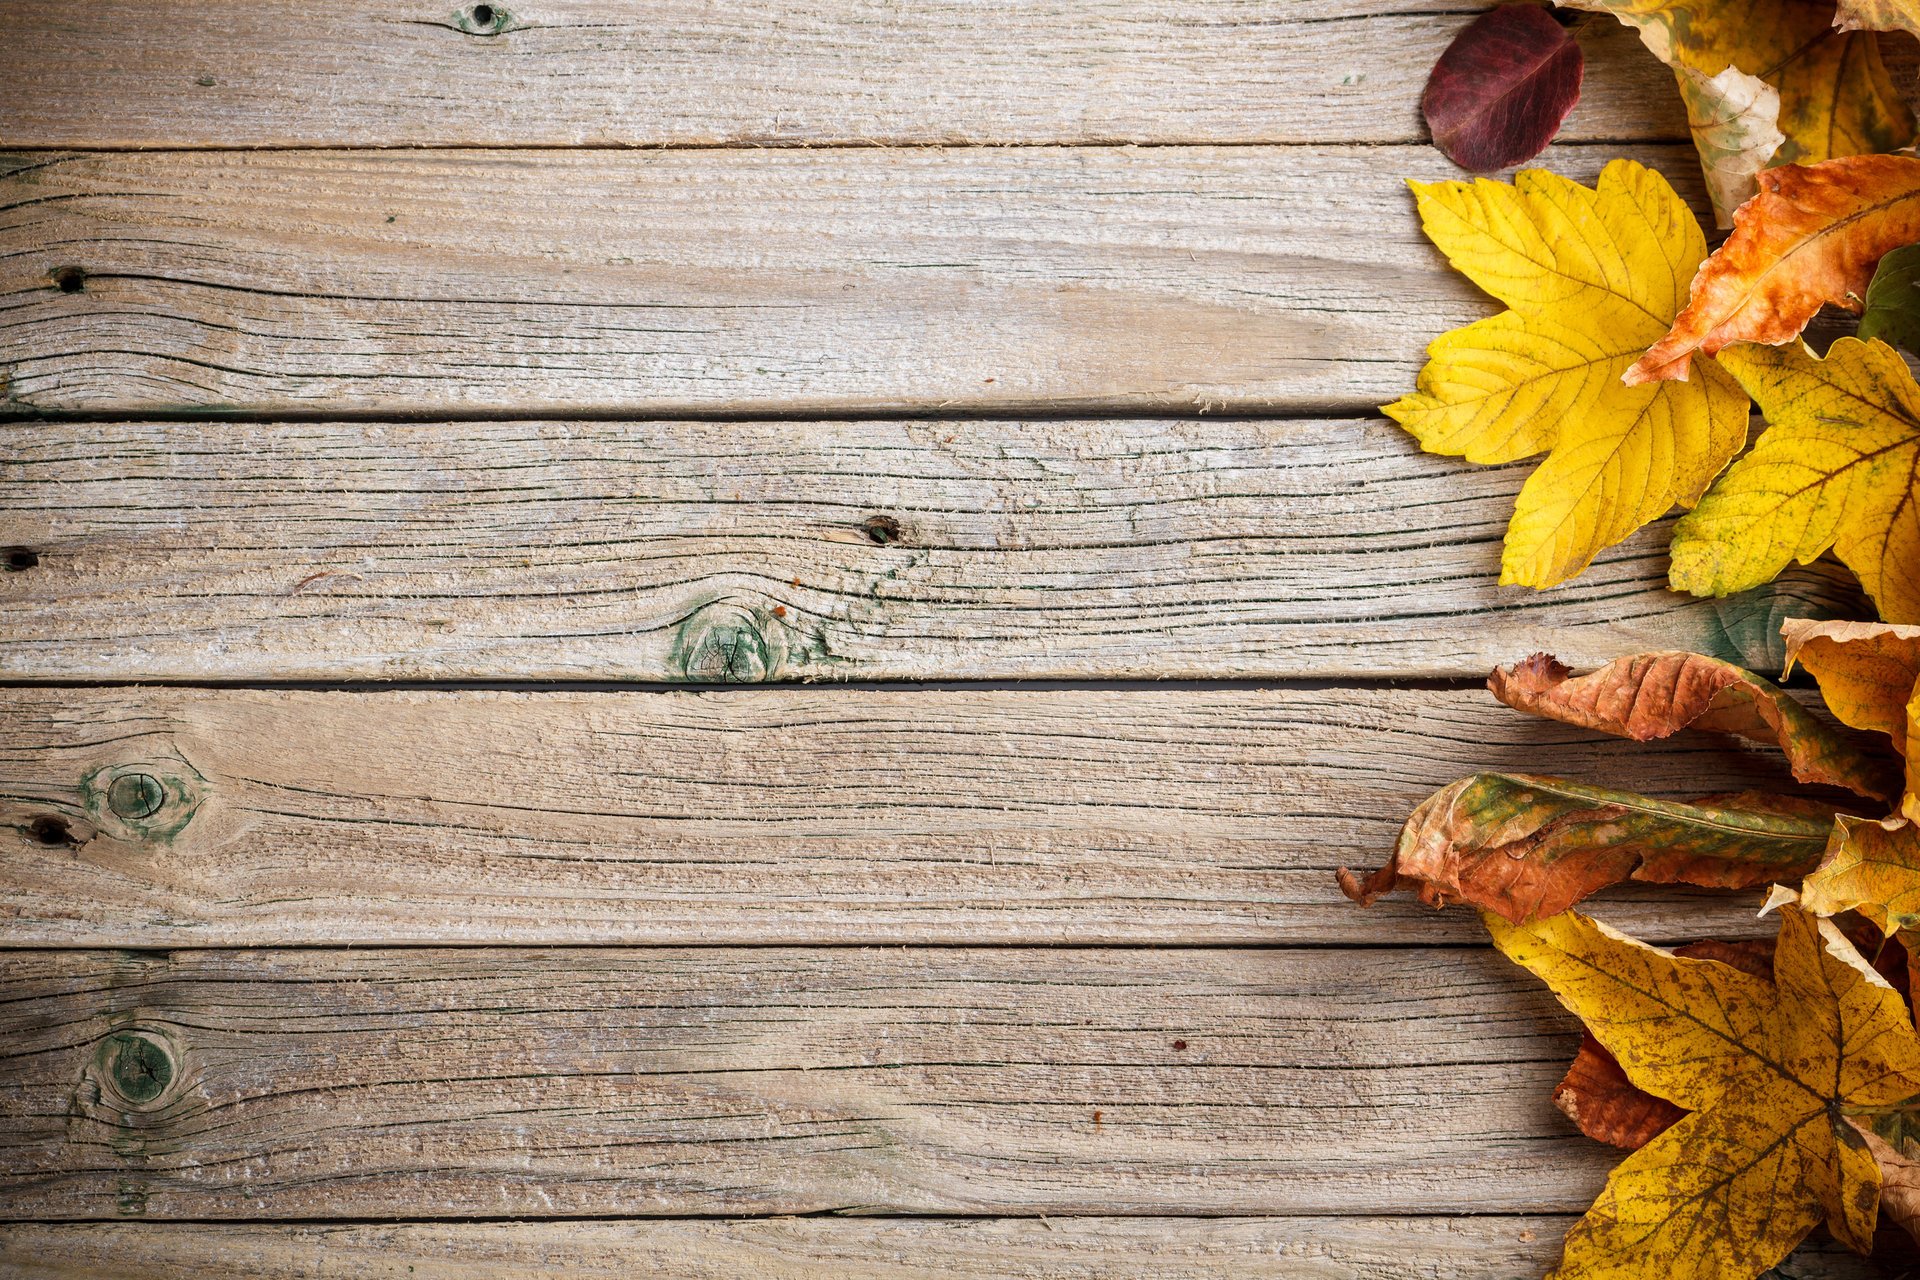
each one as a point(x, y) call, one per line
point(1344, 1248)
point(754, 816)
point(993, 280)
point(223, 73)
point(714, 1081)
point(751, 551)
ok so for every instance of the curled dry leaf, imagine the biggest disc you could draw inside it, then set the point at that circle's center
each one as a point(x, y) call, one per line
point(1769, 1072)
point(1837, 467)
point(1867, 673)
point(1655, 695)
point(1893, 301)
point(1812, 236)
point(1836, 97)
point(1498, 94)
point(1527, 847)
point(1590, 277)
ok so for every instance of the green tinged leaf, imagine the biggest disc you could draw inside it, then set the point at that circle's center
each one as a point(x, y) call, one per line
point(1893, 301)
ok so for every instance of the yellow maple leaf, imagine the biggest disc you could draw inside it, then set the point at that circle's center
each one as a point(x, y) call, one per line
point(1591, 277)
point(1838, 466)
point(1869, 674)
point(1835, 93)
point(1771, 1072)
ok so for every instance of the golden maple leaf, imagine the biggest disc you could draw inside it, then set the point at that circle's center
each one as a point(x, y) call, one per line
point(1771, 1071)
point(1838, 466)
point(1590, 278)
point(1836, 97)
point(1812, 236)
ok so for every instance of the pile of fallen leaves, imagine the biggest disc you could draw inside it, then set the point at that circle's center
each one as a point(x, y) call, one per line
point(1627, 354)
point(1763, 1088)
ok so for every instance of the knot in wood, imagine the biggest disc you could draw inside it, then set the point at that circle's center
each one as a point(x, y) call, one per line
point(136, 795)
point(726, 643)
point(482, 19)
point(136, 1068)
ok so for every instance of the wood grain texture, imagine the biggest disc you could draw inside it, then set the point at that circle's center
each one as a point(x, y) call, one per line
point(221, 73)
point(755, 816)
point(753, 551)
point(989, 280)
point(714, 1081)
point(1346, 1248)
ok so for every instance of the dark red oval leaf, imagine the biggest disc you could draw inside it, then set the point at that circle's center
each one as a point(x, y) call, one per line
point(1498, 94)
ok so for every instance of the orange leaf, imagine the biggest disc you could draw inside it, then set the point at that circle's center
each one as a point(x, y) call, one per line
point(1812, 236)
point(1655, 695)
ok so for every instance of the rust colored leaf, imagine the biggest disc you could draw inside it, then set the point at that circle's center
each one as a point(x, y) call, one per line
point(1654, 695)
point(1597, 1096)
point(1813, 235)
point(1498, 94)
point(1529, 847)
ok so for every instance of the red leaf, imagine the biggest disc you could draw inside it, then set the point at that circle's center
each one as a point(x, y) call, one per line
point(1498, 94)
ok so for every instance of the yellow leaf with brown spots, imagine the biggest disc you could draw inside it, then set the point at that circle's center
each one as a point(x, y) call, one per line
point(1771, 1070)
point(1871, 867)
point(1837, 467)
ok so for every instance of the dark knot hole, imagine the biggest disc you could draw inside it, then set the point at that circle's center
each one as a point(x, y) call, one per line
point(50, 831)
point(69, 279)
point(17, 559)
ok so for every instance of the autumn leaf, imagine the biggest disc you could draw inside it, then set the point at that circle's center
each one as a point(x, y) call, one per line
point(1837, 467)
point(1836, 97)
point(1770, 1070)
point(1597, 1096)
point(1498, 94)
point(1868, 673)
point(1590, 277)
point(1893, 301)
point(1873, 868)
point(1878, 15)
point(1735, 122)
point(1655, 695)
point(1528, 847)
point(1812, 236)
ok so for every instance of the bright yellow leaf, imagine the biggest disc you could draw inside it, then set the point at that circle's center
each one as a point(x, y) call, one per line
point(1770, 1071)
point(1869, 674)
point(1591, 278)
point(1836, 96)
point(1838, 466)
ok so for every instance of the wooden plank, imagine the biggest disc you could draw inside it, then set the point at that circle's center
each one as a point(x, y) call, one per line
point(222, 73)
point(752, 551)
point(1356, 1248)
point(992, 280)
point(794, 815)
point(617, 1081)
